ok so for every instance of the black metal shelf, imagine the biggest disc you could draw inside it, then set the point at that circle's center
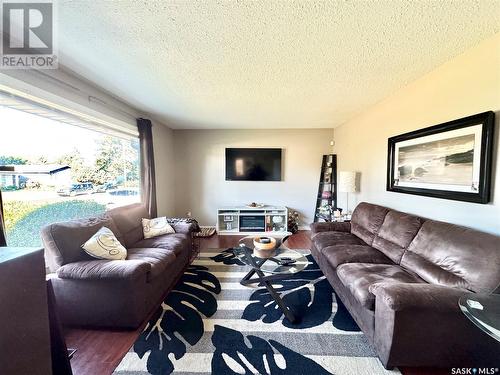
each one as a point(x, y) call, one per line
point(328, 167)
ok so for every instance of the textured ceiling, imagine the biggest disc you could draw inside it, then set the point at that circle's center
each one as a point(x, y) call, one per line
point(264, 64)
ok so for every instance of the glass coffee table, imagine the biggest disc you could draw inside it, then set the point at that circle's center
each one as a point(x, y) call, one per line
point(271, 269)
point(484, 311)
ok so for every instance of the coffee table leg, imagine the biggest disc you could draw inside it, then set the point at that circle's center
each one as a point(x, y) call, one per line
point(277, 298)
point(265, 280)
point(247, 280)
point(261, 279)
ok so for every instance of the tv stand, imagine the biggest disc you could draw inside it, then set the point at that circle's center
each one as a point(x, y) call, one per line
point(244, 220)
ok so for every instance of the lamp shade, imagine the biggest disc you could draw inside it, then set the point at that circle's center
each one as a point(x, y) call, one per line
point(347, 182)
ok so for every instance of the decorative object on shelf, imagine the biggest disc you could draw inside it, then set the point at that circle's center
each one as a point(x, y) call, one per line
point(264, 247)
point(293, 221)
point(451, 160)
point(324, 213)
point(228, 218)
point(326, 200)
point(255, 205)
point(326, 195)
point(278, 223)
point(277, 219)
point(347, 184)
point(340, 216)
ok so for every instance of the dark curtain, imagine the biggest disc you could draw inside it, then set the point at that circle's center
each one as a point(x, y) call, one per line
point(148, 181)
point(2, 226)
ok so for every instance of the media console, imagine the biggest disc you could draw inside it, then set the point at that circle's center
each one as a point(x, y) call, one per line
point(243, 220)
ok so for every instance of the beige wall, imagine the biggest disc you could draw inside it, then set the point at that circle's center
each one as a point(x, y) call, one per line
point(200, 184)
point(468, 84)
point(163, 145)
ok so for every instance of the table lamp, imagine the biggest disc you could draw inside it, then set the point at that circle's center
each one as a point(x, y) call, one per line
point(347, 184)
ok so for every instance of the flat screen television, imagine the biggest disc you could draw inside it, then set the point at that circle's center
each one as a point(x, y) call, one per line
point(253, 164)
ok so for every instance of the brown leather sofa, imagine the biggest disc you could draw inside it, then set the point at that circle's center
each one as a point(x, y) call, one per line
point(401, 276)
point(113, 293)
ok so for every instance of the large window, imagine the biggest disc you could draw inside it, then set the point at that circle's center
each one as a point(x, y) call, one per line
point(51, 171)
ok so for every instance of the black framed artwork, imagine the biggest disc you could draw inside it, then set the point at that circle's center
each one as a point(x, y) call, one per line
point(451, 160)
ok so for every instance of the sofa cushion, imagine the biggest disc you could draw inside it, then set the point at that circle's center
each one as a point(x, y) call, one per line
point(455, 256)
point(158, 258)
point(128, 219)
point(340, 254)
point(396, 233)
point(358, 277)
point(156, 227)
point(330, 226)
point(366, 220)
point(104, 270)
point(105, 245)
point(325, 239)
point(62, 241)
point(177, 242)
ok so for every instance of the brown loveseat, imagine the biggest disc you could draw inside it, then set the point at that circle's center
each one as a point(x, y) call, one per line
point(401, 276)
point(113, 293)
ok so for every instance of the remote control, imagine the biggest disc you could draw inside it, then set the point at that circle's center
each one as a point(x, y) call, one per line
point(287, 261)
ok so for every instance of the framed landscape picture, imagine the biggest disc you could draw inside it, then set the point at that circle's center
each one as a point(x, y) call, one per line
point(451, 160)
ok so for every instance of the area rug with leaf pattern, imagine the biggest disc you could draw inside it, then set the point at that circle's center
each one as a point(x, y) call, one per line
point(211, 324)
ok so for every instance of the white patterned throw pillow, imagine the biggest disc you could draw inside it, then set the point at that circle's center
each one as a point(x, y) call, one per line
point(105, 245)
point(156, 227)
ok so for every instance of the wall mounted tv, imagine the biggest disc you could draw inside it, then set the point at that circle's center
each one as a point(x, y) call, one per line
point(253, 164)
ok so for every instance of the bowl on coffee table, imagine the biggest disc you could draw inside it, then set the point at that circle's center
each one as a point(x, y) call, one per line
point(264, 247)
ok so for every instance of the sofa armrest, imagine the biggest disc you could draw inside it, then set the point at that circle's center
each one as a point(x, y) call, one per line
point(184, 228)
point(334, 226)
point(104, 270)
point(410, 296)
point(422, 325)
point(184, 225)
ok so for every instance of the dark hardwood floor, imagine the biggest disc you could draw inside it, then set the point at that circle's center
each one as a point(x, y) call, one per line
point(100, 351)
